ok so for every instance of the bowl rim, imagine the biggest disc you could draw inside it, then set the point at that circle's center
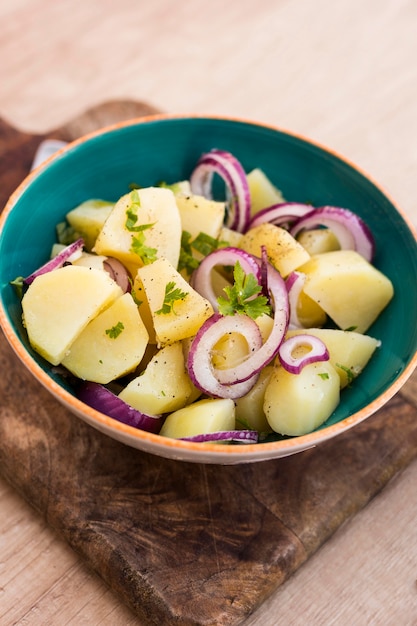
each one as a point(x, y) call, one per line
point(155, 443)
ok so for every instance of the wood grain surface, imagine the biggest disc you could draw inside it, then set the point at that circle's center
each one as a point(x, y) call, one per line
point(342, 73)
point(178, 542)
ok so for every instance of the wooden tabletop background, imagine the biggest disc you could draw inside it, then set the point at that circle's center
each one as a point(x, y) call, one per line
point(342, 73)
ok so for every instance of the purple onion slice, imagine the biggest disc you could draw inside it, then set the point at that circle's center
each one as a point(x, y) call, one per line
point(350, 230)
point(102, 399)
point(317, 351)
point(67, 254)
point(231, 171)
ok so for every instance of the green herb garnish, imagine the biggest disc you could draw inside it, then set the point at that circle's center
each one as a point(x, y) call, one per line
point(115, 331)
point(324, 375)
point(350, 375)
point(203, 243)
point(18, 284)
point(139, 247)
point(187, 261)
point(172, 295)
point(244, 296)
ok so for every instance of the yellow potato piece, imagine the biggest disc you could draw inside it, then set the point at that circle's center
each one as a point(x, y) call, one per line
point(184, 316)
point(200, 215)
point(284, 252)
point(297, 404)
point(262, 192)
point(249, 408)
point(349, 289)
point(58, 306)
point(87, 219)
point(111, 346)
point(164, 386)
point(203, 416)
point(158, 209)
point(318, 240)
point(349, 351)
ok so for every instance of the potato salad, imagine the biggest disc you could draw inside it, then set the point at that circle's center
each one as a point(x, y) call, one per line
point(205, 319)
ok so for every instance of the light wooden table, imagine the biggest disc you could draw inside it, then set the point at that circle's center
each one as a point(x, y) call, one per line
point(343, 73)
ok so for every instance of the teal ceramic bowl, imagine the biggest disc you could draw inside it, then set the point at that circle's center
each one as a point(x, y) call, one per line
point(152, 149)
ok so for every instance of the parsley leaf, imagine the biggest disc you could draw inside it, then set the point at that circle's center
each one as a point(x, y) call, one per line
point(139, 247)
point(115, 331)
point(172, 295)
point(187, 261)
point(244, 296)
point(203, 243)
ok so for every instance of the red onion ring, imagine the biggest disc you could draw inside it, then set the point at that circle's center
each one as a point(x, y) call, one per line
point(280, 214)
point(268, 351)
point(118, 273)
point(201, 280)
point(231, 171)
point(71, 252)
point(199, 364)
point(239, 436)
point(349, 228)
point(318, 352)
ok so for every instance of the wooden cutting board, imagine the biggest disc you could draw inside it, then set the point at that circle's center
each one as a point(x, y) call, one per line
point(182, 543)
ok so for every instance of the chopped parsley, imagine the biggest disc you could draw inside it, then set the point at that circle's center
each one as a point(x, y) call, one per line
point(187, 261)
point(350, 375)
point(203, 243)
point(244, 296)
point(324, 376)
point(172, 295)
point(139, 247)
point(115, 331)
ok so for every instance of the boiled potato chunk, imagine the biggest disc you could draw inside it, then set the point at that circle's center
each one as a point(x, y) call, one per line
point(262, 192)
point(58, 306)
point(348, 288)
point(284, 252)
point(156, 210)
point(231, 350)
point(87, 219)
point(200, 215)
point(318, 240)
point(309, 312)
point(91, 260)
point(349, 351)
point(249, 408)
point(297, 404)
point(112, 344)
point(164, 386)
point(175, 319)
point(230, 237)
point(204, 416)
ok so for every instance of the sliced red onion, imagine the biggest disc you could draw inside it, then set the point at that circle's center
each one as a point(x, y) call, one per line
point(231, 171)
point(280, 214)
point(350, 230)
point(68, 254)
point(317, 351)
point(199, 362)
point(239, 436)
point(268, 351)
point(118, 273)
point(102, 399)
point(295, 283)
point(201, 278)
